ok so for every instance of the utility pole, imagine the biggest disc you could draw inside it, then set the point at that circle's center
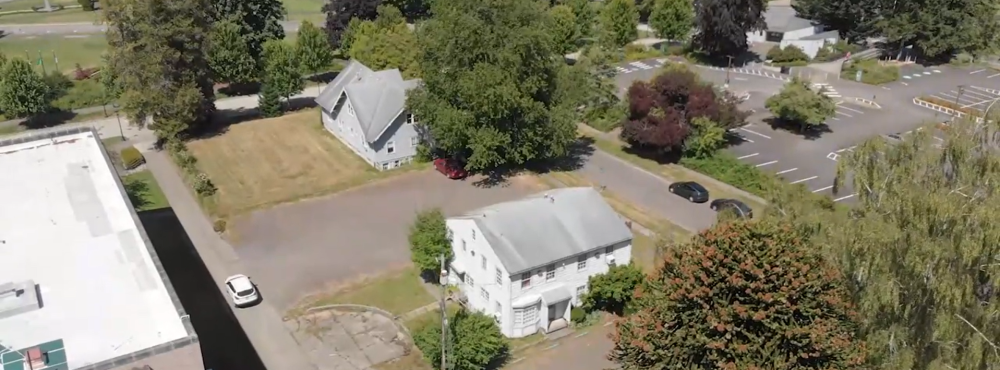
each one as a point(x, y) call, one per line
point(727, 71)
point(444, 314)
point(961, 89)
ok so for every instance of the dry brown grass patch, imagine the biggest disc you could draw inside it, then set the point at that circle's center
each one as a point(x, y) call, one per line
point(265, 162)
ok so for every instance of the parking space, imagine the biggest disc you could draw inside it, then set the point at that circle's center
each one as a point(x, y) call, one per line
point(972, 97)
point(784, 155)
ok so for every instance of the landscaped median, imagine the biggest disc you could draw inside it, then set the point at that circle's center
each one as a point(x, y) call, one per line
point(873, 71)
point(947, 107)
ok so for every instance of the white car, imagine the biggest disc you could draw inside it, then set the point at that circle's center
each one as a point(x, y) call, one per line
point(242, 290)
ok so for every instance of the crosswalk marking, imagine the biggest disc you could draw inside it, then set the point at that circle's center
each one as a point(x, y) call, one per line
point(623, 70)
point(641, 65)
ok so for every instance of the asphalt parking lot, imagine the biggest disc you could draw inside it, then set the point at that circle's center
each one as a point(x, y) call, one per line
point(973, 97)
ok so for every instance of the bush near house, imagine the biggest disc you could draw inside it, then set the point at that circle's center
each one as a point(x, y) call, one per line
point(790, 55)
point(831, 52)
point(872, 72)
point(132, 158)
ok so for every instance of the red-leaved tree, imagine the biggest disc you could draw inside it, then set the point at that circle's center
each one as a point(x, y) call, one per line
point(742, 295)
point(661, 111)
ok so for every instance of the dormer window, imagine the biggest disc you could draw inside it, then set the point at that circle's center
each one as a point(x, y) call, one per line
point(350, 110)
point(473, 234)
point(410, 120)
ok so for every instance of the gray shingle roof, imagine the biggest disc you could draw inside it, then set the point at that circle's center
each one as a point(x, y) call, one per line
point(548, 227)
point(377, 97)
point(784, 19)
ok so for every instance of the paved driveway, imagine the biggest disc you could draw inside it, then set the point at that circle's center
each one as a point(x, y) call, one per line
point(296, 249)
point(588, 352)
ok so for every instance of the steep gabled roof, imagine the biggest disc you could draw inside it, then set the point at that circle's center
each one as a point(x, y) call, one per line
point(548, 227)
point(377, 97)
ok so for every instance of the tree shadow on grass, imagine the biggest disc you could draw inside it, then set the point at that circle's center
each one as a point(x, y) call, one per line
point(808, 133)
point(138, 193)
point(224, 118)
point(576, 156)
point(660, 157)
point(244, 89)
point(48, 119)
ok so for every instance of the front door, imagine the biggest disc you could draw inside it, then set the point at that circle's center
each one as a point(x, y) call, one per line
point(552, 313)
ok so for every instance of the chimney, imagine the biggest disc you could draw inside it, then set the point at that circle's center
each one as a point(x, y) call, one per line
point(550, 198)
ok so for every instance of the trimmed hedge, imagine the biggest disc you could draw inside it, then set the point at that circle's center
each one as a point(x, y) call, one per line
point(872, 72)
point(132, 158)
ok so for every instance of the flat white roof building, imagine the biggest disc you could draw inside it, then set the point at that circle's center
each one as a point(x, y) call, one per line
point(76, 266)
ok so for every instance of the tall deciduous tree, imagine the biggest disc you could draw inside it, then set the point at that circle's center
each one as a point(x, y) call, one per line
point(384, 43)
point(586, 17)
point(22, 91)
point(565, 30)
point(723, 25)
point(797, 104)
point(281, 69)
point(921, 247)
point(854, 19)
point(229, 55)
point(158, 52)
point(474, 342)
point(742, 295)
point(619, 23)
point(313, 49)
point(260, 20)
point(672, 19)
point(429, 241)
point(340, 12)
point(412, 10)
point(489, 98)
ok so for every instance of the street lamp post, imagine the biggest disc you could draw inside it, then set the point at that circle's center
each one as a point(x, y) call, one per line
point(727, 70)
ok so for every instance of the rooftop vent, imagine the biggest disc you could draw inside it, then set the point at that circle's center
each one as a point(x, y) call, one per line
point(18, 297)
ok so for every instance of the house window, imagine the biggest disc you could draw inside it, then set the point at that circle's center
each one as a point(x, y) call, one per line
point(530, 315)
point(414, 141)
point(410, 120)
point(581, 263)
point(483, 293)
point(395, 163)
point(484, 262)
point(609, 250)
point(525, 280)
point(580, 291)
point(473, 234)
point(340, 102)
point(499, 277)
point(390, 147)
point(463, 245)
point(470, 280)
point(385, 166)
point(550, 273)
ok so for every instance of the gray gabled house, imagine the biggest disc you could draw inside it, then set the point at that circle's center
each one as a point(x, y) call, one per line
point(366, 110)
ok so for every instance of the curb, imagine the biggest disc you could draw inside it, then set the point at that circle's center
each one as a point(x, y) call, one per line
point(867, 102)
point(943, 109)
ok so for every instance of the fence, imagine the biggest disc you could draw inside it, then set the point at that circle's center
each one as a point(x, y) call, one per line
point(943, 109)
point(868, 102)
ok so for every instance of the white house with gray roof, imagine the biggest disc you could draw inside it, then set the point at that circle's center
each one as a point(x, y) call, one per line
point(784, 27)
point(366, 110)
point(527, 262)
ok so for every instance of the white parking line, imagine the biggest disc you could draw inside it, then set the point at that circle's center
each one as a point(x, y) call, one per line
point(993, 75)
point(852, 110)
point(766, 163)
point(977, 71)
point(748, 156)
point(835, 118)
point(844, 114)
point(787, 171)
point(907, 77)
point(804, 180)
point(739, 79)
point(755, 133)
point(846, 197)
point(904, 83)
point(822, 189)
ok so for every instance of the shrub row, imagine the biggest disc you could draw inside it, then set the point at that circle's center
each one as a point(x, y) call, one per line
point(790, 55)
point(635, 52)
point(872, 72)
point(187, 162)
point(132, 158)
point(831, 52)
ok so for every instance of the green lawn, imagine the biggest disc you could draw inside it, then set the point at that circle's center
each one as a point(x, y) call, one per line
point(305, 10)
point(144, 191)
point(86, 50)
point(75, 14)
point(398, 292)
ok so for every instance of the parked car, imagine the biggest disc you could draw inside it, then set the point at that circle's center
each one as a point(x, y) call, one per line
point(691, 190)
point(893, 138)
point(741, 209)
point(242, 291)
point(452, 168)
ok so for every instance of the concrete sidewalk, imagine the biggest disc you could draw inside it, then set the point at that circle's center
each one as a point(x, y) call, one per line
point(263, 324)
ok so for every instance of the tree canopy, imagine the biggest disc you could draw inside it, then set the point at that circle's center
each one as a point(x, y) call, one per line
point(474, 341)
point(565, 30)
point(339, 14)
point(797, 104)
point(619, 23)
point(921, 246)
point(672, 19)
point(660, 112)
point(313, 49)
point(429, 240)
point(281, 69)
point(742, 295)
point(723, 25)
point(23, 92)
point(158, 52)
point(384, 43)
point(260, 20)
point(612, 291)
point(229, 55)
point(489, 92)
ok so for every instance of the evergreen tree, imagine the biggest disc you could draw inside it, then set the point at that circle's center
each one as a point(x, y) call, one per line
point(619, 23)
point(565, 30)
point(921, 246)
point(339, 14)
point(586, 17)
point(269, 100)
point(260, 20)
point(158, 52)
point(490, 99)
point(22, 91)
point(229, 55)
point(723, 25)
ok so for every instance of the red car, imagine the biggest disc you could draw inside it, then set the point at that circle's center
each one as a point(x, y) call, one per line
point(451, 168)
